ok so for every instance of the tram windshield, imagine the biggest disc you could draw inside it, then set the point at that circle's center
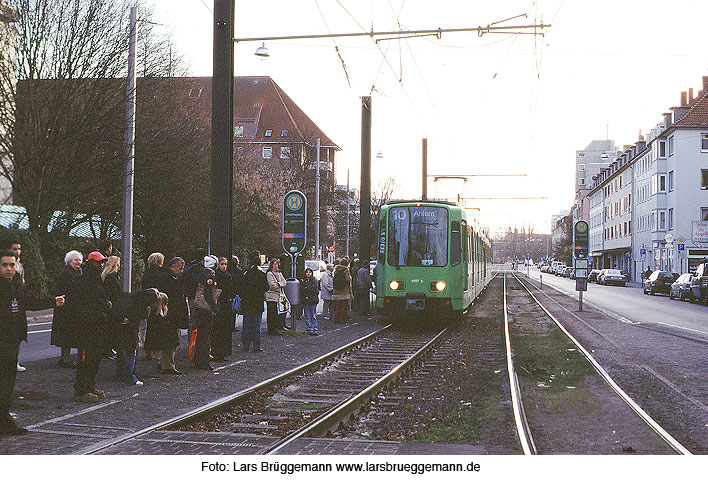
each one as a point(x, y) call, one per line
point(417, 236)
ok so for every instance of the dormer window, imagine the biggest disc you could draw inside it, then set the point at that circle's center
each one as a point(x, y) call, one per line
point(269, 133)
point(284, 133)
point(238, 131)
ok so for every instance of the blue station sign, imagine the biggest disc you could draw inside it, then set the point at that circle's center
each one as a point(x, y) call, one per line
point(294, 222)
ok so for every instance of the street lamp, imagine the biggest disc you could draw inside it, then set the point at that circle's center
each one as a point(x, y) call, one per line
point(262, 51)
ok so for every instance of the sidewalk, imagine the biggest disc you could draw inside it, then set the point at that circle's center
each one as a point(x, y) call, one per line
point(43, 399)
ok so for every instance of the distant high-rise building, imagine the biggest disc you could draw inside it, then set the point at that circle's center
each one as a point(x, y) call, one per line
point(591, 161)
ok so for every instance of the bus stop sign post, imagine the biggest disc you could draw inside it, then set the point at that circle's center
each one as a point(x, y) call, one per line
point(294, 236)
point(581, 239)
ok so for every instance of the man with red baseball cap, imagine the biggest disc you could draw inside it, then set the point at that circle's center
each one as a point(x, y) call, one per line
point(92, 307)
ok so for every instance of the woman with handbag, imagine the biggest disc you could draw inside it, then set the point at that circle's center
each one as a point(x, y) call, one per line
point(276, 285)
point(205, 308)
point(310, 288)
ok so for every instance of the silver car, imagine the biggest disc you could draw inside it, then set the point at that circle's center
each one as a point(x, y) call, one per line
point(681, 288)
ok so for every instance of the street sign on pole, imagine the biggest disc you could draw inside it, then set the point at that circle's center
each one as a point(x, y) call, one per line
point(581, 240)
point(294, 224)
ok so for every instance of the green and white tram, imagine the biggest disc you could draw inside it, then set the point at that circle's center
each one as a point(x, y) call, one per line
point(430, 259)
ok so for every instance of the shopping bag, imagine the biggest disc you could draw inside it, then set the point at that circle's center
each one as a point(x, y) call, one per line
point(283, 303)
point(236, 305)
point(192, 342)
point(199, 299)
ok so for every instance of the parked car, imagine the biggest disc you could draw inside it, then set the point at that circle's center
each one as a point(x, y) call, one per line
point(699, 284)
point(567, 272)
point(559, 269)
point(681, 288)
point(592, 276)
point(658, 282)
point(611, 277)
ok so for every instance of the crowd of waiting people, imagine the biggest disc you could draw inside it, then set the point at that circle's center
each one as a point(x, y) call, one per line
point(95, 316)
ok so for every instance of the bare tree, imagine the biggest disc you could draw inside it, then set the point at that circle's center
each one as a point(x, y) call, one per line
point(63, 122)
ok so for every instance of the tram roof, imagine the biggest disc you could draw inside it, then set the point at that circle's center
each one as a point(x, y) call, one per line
point(422, 201)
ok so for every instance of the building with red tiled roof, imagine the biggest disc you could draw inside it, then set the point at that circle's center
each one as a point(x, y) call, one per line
point(272, 131)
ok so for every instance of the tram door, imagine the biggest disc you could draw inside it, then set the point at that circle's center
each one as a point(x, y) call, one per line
point(465, 256)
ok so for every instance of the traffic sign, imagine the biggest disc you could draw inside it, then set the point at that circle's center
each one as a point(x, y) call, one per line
point(581, 240)
point(681, 247)
point(643, 251)
point(294, 222)
point(669, 238)
point(681, 239)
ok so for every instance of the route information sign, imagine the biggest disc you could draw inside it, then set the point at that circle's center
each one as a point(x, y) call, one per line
point(581, 240)
point(294, 222)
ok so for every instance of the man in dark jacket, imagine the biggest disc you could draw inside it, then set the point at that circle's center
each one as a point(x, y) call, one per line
point(203, 317)
point(13, 330)
point(252, 287)
point(92, 308)
point(363, 287)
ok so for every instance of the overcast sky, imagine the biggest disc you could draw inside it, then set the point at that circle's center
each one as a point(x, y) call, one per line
point(493, 104)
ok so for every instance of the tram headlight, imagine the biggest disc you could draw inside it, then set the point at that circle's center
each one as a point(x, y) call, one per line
point(438, 286)
point(395, 285)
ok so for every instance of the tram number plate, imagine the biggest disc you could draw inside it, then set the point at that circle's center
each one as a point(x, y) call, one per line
point(415, 304)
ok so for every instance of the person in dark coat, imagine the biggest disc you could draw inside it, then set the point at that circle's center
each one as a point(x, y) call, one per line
point(138, 306)
point(63, 322)
point(13, 330)
point(114, 290)
point(221, 335)
point(363, 283)
point(204, 318)
point(152, 273)
point(310, 289)
point(91, 306)
point(251, 289)
point(177, 317)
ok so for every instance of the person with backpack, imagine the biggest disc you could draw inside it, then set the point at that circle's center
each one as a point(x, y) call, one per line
point(342, 291)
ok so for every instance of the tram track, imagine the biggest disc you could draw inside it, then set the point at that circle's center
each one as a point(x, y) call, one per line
point(537, 312)
point(307, 401)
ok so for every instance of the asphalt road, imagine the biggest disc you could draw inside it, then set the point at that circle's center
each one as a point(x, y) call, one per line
point(632, 306)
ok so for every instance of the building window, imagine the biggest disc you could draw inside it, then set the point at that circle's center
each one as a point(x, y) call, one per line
point(671, 181)
point(671, 145)
point(704, 142)
point(238, 131)
point(662, 149)
point(581, 167)
point(704, 213)
point(581, 181)
point(629, 226)
point(284, 133)
point(284, 152)
point(662, 220)
point(239, 151)
point(662, 183)
point(671, 219)
point(267, 152)
point(704, 179)
point(269, 133)
point(580, 155)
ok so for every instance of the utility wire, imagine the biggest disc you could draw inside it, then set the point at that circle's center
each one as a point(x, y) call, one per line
point(207, 6)
point(336, 47)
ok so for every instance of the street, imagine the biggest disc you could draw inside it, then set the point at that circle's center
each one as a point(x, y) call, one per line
point(632, 306)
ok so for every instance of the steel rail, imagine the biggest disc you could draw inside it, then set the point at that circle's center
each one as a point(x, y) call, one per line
point(656, 427)
point(226, 401)
point(350, 406)
point(524, 433)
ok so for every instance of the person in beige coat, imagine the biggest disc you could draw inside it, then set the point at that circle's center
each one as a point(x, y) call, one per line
point(276, 282)
point(342, 292)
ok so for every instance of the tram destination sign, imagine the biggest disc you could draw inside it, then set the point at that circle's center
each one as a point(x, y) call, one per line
point(294, 222)
point(581, 240)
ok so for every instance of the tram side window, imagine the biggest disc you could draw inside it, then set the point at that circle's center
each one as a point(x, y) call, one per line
point(455, 244)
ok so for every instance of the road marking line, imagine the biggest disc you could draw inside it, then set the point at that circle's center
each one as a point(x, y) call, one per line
point(73, 415)
point(682, 328)
point(40, 331)
point(231, 364)
point(39, 323)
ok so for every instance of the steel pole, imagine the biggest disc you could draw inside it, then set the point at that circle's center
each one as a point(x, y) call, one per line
point(365, 186)
point(425, 169)
point(129, 174)
point(348, 209)
point(222, 133)
point(317, 204)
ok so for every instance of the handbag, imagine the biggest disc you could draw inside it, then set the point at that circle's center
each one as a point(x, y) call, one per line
point(283, 303)
point(236, 305)
point(199, 300)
